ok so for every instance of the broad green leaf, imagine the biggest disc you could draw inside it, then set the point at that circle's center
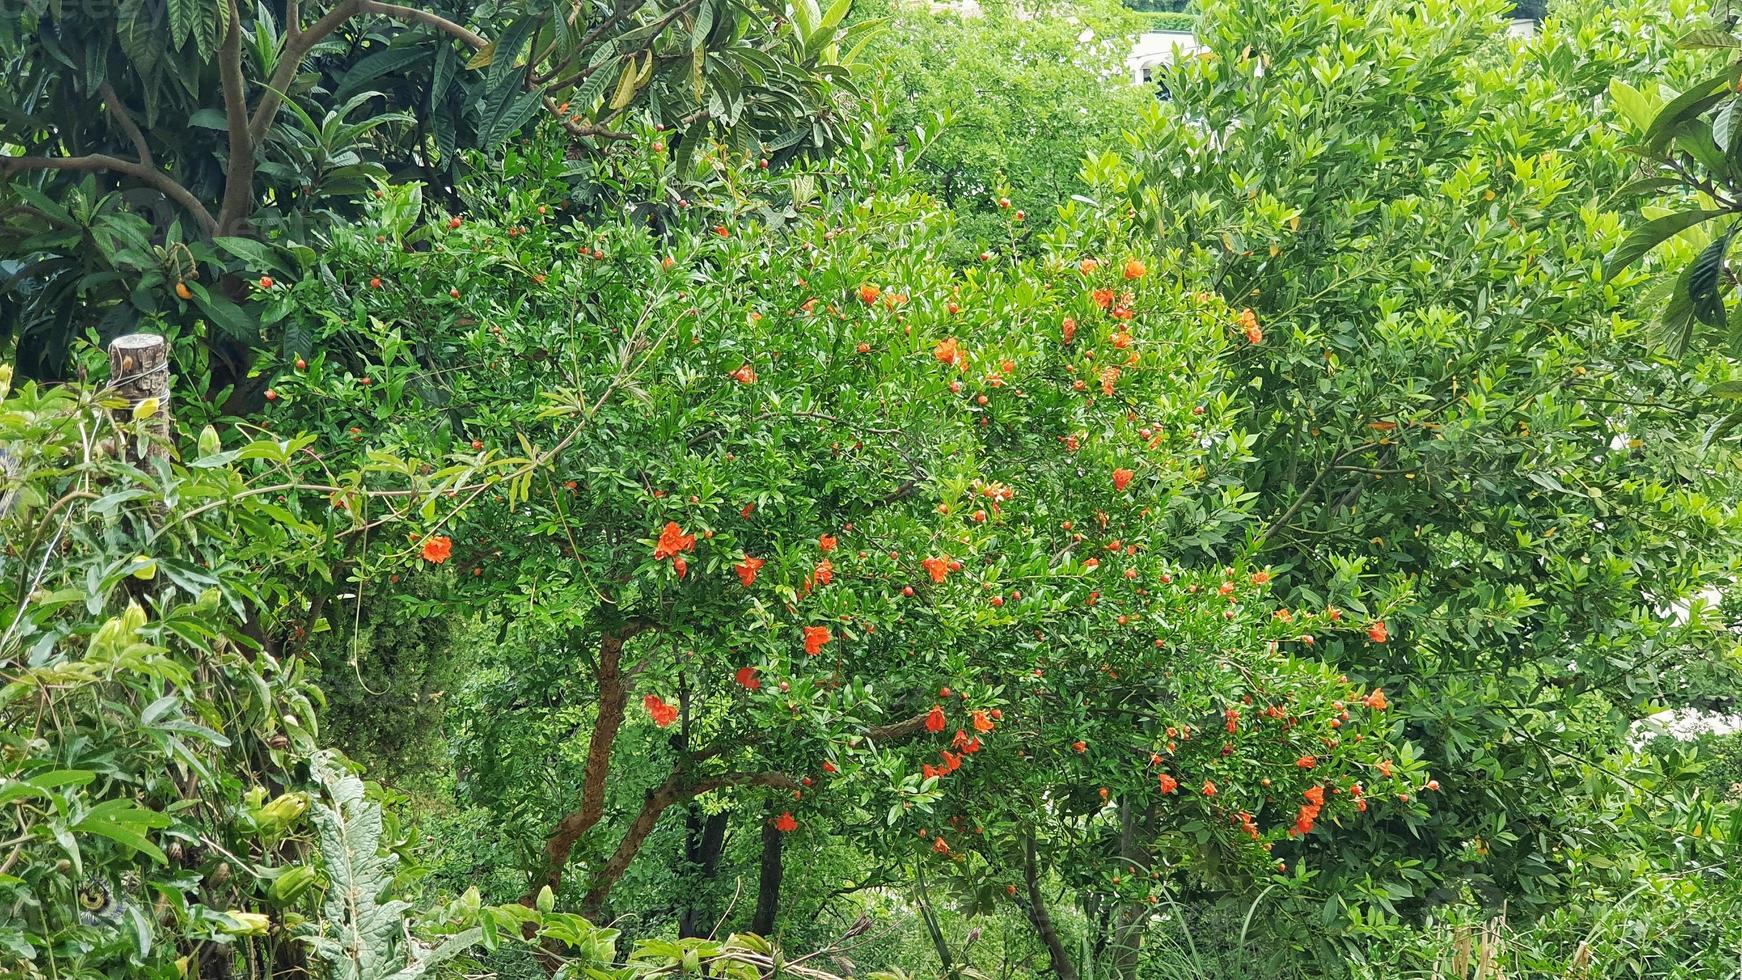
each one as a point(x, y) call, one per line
point(1651, 234)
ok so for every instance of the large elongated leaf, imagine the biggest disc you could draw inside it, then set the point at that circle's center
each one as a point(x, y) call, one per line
point(1705, 280)
point(377, 64)
point(1651, 234)
point(1689, 105)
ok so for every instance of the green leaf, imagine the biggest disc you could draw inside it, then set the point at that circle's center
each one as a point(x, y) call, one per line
point(182, 15)
point(257, 257)
point(703, 26)
point(1708, 38)
point(1704, 281)
point(125, 823)
point(1649, 235)
point(1688, 105)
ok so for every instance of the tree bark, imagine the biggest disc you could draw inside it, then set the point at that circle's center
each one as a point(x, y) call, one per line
point(658, 799)
point(768, 882)
point(138, 371)
point(613, 701)
point(1128, 922)
point(1038, 916)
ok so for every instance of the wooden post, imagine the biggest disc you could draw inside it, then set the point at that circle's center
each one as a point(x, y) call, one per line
point(139, 370)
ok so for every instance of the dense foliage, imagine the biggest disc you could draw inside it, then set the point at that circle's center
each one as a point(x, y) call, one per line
point(163, 155)
point(1450, 401)
point(959, 539)
point(1011, 100)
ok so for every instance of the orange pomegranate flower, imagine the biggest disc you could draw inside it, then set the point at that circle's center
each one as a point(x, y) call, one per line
point(785, 823)
point(1135, 269)
point(1069, 329)
point(868, 293)
point(1122, 479)
point(949, 351)
point(1109, 375)
point(1376, 700)
point(745, 375)
point(939, 846)
point(663, 714)
point(749, 509)
point(934, 719)
point(673, 542)
point(1103, 297)
point(437, 548)
point(826, 542)
point(1377, 632)
point(747, 570)
point(982, 722)
point(937, 568)
point(1306, 762)
point(1087, 266)
point(1209, 788)
point(1168, 783)
point(825, 572)
point(747, 679)
point(815, 638)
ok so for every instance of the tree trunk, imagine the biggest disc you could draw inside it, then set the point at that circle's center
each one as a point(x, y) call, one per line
point(1127, 933)
point(139, 371)
point(673, 790)
point(1037, 914)
point(613, 700)
point(704, 838)
point(768, 883)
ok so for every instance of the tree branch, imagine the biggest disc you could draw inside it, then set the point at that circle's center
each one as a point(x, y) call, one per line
point(239, 177)
point(673, 790)
point(411, 15)
point(613, 701)
point(112, 102)
point(99, 162)
point(296, 47)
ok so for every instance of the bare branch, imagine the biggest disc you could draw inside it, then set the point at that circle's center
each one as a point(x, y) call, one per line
point(100, 162)
point(112, 102)
point(412, 15)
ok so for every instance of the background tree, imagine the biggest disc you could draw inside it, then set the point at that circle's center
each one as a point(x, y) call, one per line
point(165, 156)
point(1449, 398)
point(1015, 99)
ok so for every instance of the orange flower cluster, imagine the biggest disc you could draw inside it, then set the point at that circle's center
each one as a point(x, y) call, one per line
point(949, 351)
point(747, 679)
point(663, 714)
point(672, 544)
point(747, 570)
point(815, 638)
point(437, 548)
point(785, 823)
point(1315, 801)
point(1249, 326)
